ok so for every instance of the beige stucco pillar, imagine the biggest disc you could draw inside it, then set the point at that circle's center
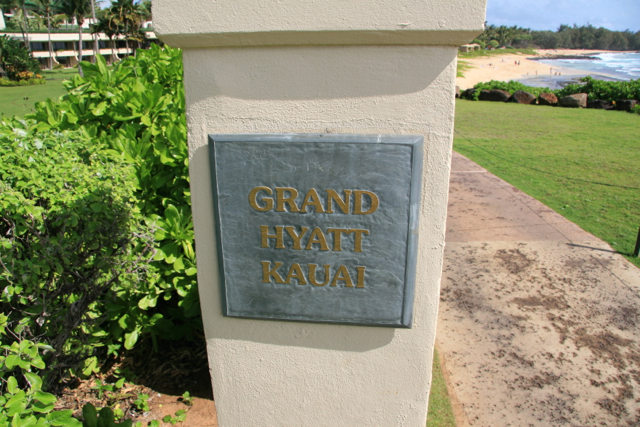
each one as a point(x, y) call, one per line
point(331, 66)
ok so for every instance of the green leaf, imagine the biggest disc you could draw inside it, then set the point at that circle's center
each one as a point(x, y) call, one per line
point(90, 415)
point(43, 397)
point(147, 301)
point(12, 385)
point(172, 214)
point(12, 361)
point(41, 407)
point(106, 418)
point(100, 109)
point(17, 403)
point(34, 380)
point(130, 339)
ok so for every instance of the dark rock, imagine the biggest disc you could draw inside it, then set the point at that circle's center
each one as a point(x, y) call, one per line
point(626, 104)
point(457, 91)
point(468, 94)
point(577, 100)
point(496, 95)
point(522, 97)
point(547, 99)
point(600, 104)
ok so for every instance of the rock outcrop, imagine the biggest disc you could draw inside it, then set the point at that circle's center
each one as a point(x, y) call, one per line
point(495, 95)
point(599, 104)
point(577, 100)
point(522, 97)
point(626, 104)
point(547, 99)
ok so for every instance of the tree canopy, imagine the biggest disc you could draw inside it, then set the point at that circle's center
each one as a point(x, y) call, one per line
point(566, 36)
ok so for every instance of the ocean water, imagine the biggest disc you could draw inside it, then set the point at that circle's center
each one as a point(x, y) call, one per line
point(610, 66)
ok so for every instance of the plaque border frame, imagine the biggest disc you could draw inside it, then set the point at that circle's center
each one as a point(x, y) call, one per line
point(416, 142)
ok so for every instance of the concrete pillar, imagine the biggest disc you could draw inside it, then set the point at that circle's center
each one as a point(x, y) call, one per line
point(336, 66)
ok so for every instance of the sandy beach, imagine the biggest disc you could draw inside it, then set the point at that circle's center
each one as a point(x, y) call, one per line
point(504, 67)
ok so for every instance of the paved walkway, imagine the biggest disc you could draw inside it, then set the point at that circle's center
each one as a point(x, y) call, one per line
point(538, 322)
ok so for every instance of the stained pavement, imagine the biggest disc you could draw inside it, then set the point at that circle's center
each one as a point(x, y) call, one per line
point(538, 321)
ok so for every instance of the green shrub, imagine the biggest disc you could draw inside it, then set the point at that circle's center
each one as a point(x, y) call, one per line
point(479, 42)
point(137, 109)
point(22, 400)
point(75, 256)
point(604, 90)
point(31, 82)
point(15, 58)
point(493, 43)
point(510, 86)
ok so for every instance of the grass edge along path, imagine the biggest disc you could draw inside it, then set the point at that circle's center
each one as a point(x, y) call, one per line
point(12, 99)
point(440, 412)
point(557, 155)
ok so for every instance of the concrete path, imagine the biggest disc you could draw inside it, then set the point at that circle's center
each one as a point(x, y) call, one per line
point(538, 321)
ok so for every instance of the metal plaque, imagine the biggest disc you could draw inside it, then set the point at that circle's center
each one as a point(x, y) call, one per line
point(317, 227)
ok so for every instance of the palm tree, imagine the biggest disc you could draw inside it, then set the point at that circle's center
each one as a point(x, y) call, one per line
point(95, 35)
point(106, 24)
point(77, 9)
point(48, 9)
point(22, 5)
point(128, 17)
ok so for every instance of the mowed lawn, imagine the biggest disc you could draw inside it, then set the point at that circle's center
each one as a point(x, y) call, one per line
point(12, 99)
point(559, 155)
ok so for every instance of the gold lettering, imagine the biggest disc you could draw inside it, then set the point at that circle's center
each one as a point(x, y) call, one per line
point(312, 275)
point(264, 234)
point(253, 199)
point(375, 202)
point(295, 272)
point(312, 199)
point(337, 237)
point(342, 275)
point(267, 272)
point(296, 237)
point(290, 200)
point(357, 244)
point(360, 277)
point(317, 237)
point(332, 195)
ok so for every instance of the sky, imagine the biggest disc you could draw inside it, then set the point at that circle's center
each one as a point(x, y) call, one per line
point(617, 15)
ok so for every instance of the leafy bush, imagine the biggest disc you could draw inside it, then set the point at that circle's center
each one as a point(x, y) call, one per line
point(137, 109)
point(479, 42)
point(31, 82)
point(74, 253)
point(22, 401)
point(604, 90)
point(15, 58)
point(511, 87)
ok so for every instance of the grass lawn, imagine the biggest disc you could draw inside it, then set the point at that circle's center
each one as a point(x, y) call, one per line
point(12, 99)
point(537, 149)
point(440, 411)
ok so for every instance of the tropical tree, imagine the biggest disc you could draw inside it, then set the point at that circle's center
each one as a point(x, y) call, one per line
point(77, 9)
point(15, 59)
point(48, 9)
point(21, 6)
point(129, 17)
point(107, 24)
